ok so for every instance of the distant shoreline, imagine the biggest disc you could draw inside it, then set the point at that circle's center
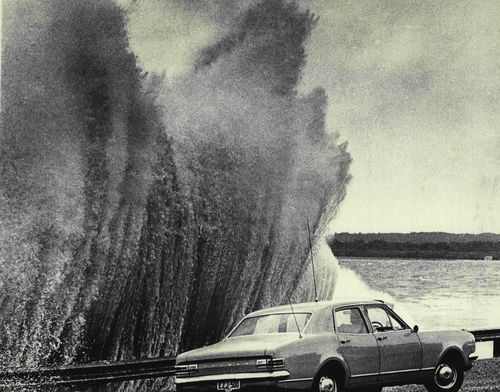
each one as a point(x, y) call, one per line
point(412, 257)
point(417, 246)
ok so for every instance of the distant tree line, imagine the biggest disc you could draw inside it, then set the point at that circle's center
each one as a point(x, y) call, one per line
point(416, 245)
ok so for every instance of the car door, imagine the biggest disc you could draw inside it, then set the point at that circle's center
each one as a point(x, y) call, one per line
point(400, 347)
point(357, 345)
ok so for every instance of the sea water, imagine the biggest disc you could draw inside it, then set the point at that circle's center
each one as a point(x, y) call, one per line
point(435, 294)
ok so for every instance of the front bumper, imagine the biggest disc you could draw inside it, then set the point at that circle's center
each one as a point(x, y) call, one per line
point(471, 359)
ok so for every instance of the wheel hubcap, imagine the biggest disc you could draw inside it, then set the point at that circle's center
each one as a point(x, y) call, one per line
point(326, 384)
point(445, 376)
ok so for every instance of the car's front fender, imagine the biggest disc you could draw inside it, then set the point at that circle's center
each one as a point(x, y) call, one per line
point(437, 344)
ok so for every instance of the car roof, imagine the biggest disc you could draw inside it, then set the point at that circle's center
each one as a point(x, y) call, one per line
point(315, 306)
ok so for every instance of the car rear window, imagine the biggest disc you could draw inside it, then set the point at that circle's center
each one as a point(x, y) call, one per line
point(272, 323)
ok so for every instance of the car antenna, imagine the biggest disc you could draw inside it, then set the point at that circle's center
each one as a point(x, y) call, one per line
point(294, 317)
point(312, 261)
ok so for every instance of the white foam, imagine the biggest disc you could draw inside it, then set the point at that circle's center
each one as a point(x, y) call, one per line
point(350, 284)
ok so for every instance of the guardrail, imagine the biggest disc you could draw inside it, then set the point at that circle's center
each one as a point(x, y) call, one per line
point(108, 372)
point(92, 373)
point(492, 336)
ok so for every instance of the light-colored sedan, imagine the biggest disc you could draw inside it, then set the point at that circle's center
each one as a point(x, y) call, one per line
point(328, 346)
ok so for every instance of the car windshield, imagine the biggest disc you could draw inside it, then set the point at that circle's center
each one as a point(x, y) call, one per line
point(272, 323)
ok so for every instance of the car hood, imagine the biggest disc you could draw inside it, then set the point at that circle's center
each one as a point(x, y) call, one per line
point(242, 346)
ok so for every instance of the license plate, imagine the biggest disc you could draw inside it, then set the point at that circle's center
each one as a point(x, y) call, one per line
point(228, 386)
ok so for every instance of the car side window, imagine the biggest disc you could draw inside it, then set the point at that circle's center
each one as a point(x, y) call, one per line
point(396, 325)
point(350, 321)
point(379, 319)
point(382, 320)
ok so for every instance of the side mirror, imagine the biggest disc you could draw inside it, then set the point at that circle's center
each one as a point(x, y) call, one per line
point(415, 329)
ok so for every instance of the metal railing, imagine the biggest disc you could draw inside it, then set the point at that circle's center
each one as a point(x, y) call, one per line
point(489, 335)
point(108, 372)
point(91, 373)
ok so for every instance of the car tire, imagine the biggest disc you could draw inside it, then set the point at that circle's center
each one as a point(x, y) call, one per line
point(325, 382)
point(448, 377)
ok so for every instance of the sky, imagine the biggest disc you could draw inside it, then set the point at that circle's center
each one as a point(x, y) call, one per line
point(413, 88)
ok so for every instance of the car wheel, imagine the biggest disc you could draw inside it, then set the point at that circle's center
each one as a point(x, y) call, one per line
point(448, 377)
point(325, 382)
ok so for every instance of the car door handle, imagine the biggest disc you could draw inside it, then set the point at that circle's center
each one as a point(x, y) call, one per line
point(344, 341)
point(382, 338)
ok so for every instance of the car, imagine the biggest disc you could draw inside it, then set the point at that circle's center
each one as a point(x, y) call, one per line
point(327, 346)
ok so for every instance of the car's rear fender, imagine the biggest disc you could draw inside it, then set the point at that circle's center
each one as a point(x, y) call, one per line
point(305, 356)
point(338, 367)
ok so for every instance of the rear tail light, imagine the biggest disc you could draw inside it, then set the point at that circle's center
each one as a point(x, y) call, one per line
point(185, 370)
point(278, 363)
point(270, 363)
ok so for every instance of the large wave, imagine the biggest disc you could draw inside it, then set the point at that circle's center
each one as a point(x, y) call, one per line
point(138, 218)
